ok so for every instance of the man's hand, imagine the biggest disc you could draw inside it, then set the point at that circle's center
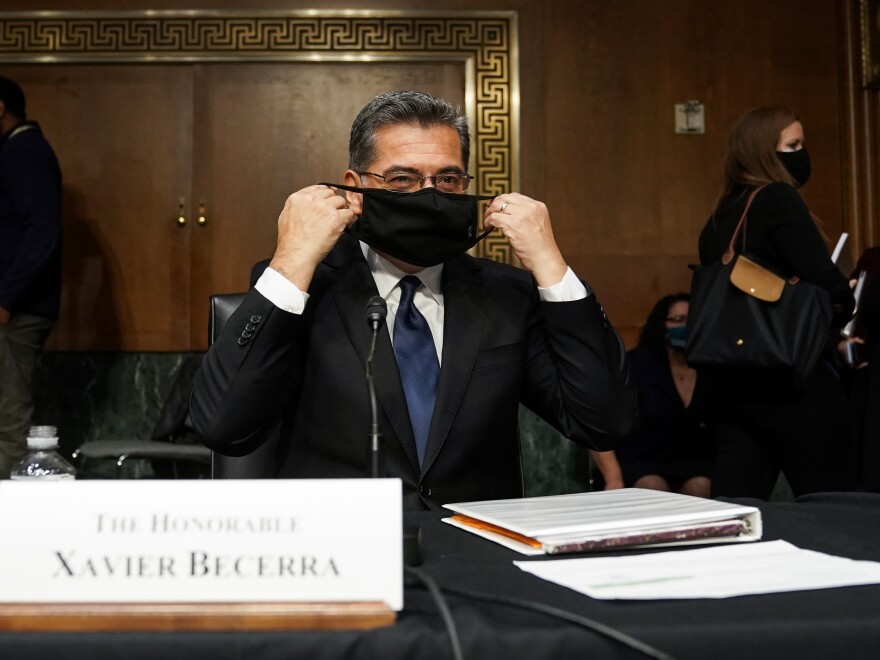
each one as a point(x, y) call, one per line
point(525, 222)
point(4, 316)
point(311, 222)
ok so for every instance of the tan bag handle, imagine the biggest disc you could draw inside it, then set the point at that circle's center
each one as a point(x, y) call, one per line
point(741, 226)
point(729, 253)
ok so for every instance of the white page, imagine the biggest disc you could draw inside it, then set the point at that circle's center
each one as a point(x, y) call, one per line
point(857, 295)
point(839, 247)
point(718, 572)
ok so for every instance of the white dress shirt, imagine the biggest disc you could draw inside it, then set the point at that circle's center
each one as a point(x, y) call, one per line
point(285, 295)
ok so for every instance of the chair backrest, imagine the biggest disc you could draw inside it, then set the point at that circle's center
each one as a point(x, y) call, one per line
point(259, 464)
point(222, 307)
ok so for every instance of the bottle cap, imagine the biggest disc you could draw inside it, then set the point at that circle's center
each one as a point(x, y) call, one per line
point(42, 437)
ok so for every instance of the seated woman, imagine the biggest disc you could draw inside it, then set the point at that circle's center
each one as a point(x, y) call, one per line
point(673, 450)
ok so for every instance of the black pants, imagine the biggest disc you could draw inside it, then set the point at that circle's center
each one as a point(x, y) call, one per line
point(20, 342)
point(762, 428)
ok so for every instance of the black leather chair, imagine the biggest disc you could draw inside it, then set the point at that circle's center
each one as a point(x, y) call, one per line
point(157, 452)
point(222, 307)
point(260, 464)
point(174, 450)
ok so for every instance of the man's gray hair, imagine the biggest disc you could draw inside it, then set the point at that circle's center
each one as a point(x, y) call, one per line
point(402, 107)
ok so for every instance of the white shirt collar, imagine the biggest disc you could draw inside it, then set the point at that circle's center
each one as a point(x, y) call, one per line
point(387, 275)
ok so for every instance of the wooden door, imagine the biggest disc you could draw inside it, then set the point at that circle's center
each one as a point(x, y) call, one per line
point(123, 136)
point(142, 144)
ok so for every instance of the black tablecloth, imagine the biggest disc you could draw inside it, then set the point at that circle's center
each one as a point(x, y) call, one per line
point(475, 574)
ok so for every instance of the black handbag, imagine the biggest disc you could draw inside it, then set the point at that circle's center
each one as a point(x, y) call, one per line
point(743, 317)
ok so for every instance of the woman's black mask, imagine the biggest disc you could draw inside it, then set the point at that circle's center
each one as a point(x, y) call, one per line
point(797, 163)
point(422, 228)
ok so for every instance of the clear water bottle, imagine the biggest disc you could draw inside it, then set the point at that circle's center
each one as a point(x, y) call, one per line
point(43, 460)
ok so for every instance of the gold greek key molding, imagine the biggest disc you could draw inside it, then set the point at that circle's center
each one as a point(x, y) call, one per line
point(485, 43)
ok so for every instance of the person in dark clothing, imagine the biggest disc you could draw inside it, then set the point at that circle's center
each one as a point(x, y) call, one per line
point(465, 340)
point(764, 424)
point(30, 263)
point(864, 378)
point(672, 451)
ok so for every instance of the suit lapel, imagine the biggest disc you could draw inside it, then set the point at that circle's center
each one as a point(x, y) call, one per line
point(462, 335)
point(351, 293)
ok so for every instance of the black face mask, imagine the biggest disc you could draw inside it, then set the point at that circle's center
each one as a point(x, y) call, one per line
point(797, 163)
point(422, 228)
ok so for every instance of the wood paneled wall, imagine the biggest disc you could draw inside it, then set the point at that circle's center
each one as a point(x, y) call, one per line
point(598, 81)
point(860, 110)
point(630, 196)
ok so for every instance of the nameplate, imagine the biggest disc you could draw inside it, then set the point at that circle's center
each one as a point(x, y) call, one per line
point(326, 540)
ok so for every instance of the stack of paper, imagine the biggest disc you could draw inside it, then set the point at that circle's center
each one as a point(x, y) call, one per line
point(723, 572)
point(630, 517)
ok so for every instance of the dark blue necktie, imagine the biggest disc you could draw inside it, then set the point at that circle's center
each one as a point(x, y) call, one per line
point(417, 362)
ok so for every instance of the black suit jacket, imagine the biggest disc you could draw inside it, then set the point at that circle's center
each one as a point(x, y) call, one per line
point(304, 377)
point(30, 224)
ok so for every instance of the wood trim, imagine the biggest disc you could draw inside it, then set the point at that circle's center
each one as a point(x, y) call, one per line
point(861, 132)
point(485, 42)
point(176, 617)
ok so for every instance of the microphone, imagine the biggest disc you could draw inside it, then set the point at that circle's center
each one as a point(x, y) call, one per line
point(377, 310)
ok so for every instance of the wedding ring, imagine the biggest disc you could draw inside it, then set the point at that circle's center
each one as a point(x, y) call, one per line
point(503, 206)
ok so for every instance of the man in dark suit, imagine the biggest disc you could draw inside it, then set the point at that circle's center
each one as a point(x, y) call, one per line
point(291, 360)
point(30, 263)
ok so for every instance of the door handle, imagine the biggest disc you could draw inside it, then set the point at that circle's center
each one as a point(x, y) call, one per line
point(203, 219)
point(181, 218)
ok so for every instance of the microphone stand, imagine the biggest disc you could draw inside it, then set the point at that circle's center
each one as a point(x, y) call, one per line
point(375, 435)
point(376, 311)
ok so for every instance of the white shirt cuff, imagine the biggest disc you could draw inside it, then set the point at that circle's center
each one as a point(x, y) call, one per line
point(281, 292)
point(568, 290)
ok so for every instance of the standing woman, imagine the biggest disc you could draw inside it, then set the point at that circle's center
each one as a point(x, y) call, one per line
point(763, 423)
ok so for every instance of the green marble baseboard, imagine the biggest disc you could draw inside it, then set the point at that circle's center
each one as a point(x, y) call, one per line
point(552, 464)
point(113, 396)
point(104, 396)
